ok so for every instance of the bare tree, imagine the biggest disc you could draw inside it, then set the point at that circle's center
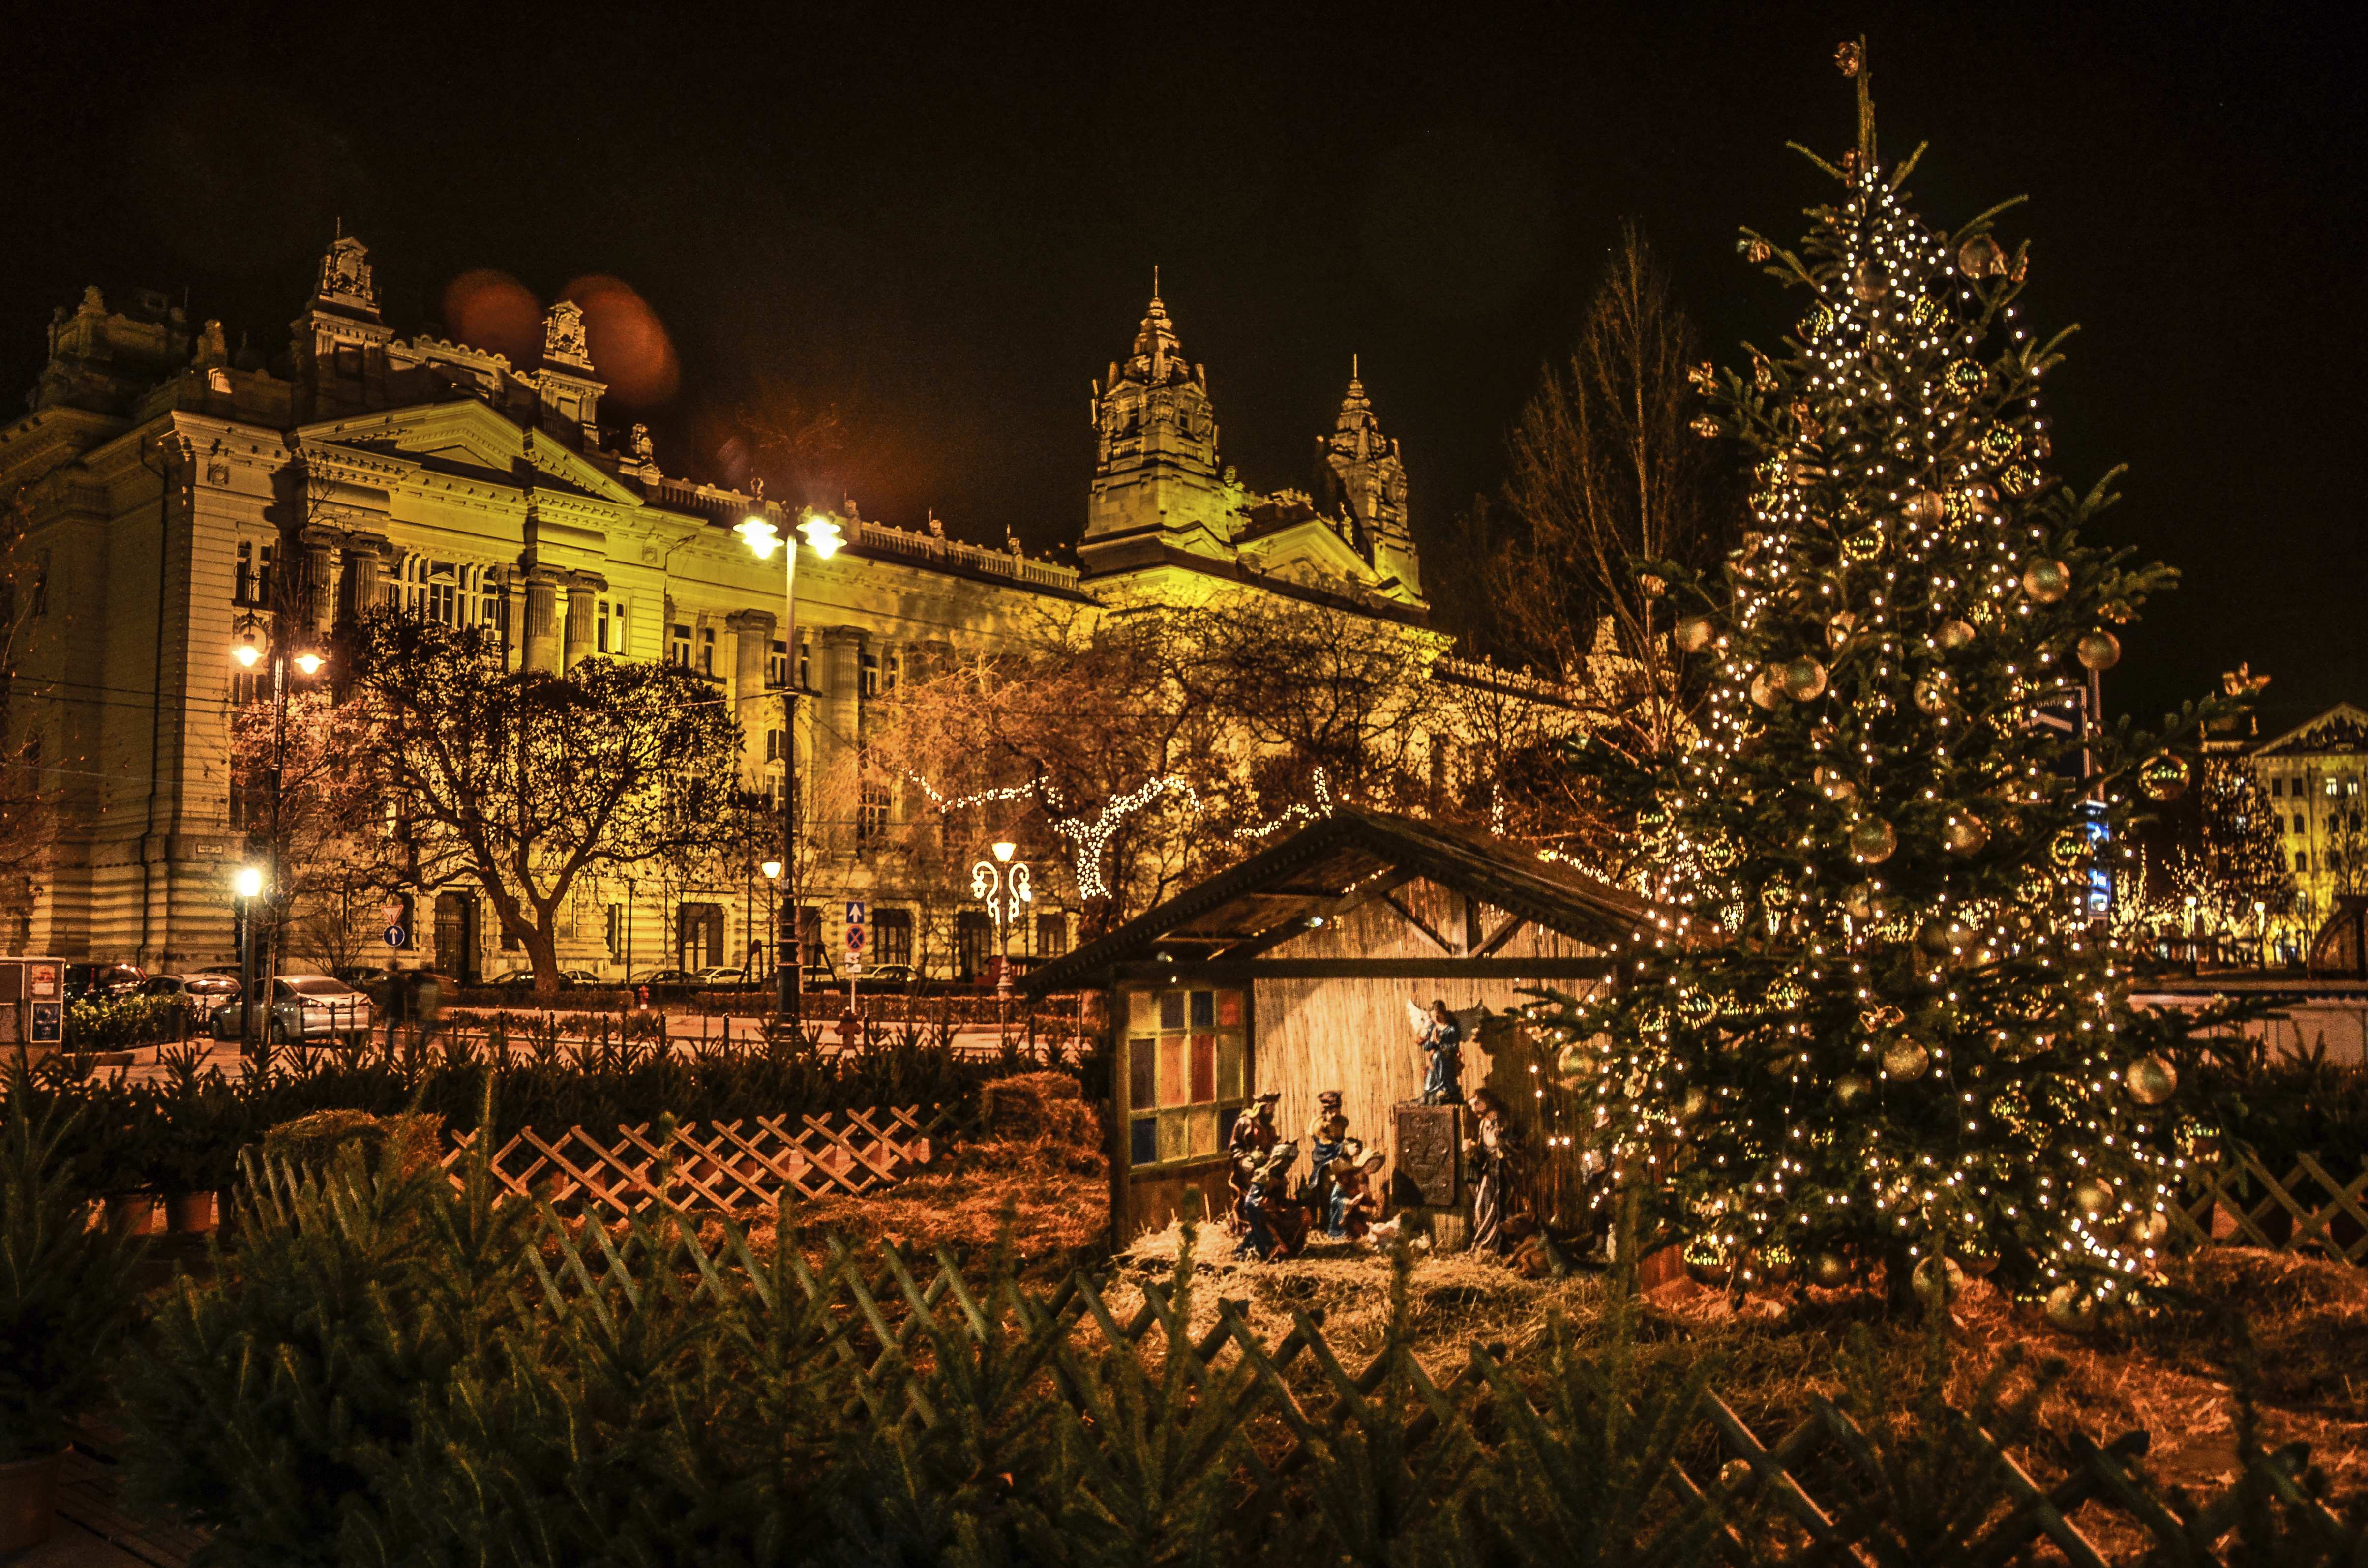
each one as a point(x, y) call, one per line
point(28, 817)
point(1605, 475)
point(529, 783)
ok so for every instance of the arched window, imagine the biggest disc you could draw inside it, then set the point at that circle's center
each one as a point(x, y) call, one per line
point(2302, 859)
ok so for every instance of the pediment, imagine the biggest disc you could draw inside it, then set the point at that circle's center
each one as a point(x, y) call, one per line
point(465, 435)
point(1309, 548)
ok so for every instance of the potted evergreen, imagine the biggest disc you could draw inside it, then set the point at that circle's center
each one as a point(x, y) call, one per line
point(67, 1304)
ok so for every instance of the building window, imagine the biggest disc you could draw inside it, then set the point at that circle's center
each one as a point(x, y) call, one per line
point(248, 686)
point(773, 745)
point(1052, 935)
point(616, 930)
point(707, 650)
point(600, 629)
point(891, 668)
point(777, 664)
point(699, 936)
point(974, 944)
point(805, 664)
point(866, 682)
point(871, 807)
point(892, 935)
point(2330, 786)
point(810, 938)
point(2277, 787)
point(678, 645)
point(2302, 859)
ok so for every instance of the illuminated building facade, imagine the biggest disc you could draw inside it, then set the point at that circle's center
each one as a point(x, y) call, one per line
point(176, 495)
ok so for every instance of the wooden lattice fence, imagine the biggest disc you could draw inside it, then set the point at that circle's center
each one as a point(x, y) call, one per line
point(1824, 1477)
point(2245, 1202)
point(740, 1165)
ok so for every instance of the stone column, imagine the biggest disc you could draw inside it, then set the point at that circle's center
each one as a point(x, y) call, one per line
point(320, 597)
point(541, 639)
point(362, 586)
point(757, 709)
point(838, 726)
point(584, 592)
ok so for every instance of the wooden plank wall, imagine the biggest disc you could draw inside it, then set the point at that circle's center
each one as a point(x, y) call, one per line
point(1352, 1035)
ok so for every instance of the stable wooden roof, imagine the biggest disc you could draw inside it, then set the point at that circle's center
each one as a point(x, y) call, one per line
point(1335, 865)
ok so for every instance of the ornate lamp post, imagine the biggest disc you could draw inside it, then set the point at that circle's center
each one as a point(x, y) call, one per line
point(822, 533)
point(1002, 884)
point(248, 654)
point(246, 882)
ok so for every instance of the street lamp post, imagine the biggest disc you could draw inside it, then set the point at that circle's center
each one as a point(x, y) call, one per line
point(246, 883)
point(763, 537)
point(307, 663)
point(1002, 884)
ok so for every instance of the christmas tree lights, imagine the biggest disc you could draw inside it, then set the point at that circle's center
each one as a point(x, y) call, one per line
point(1875, 1029)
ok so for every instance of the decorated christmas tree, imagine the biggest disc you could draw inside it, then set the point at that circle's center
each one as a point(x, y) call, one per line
point(1879, 1031)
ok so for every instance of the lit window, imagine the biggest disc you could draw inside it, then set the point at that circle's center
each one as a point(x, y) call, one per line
point(871, 809)
point(776, 662)
point(868, 681)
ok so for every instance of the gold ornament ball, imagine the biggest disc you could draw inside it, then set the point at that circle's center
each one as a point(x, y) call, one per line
point(1765, 691)
point(2092, 1197)
point(1575, 1061)
point(1804, 679)
point(1838, 628)
point(1872, 841)
point(1829, 1270)
point(1976, 1261)
point(1935, 693)
point(1694, 633)
point(2098, 650)
point(2163, 777)
point(2069, 1308)
point(1735, 1474)
point(1776, 1263)
point(1858, 900)
point(1938, 1277)
point(1981, 257)
point(1964, 833)
point(2149, 1229)
point(1925, 507)
point(1953, 634)
point(1835, 785)
point(2068, 849)
point(1864, 546)
point(2151, 1080)
point(1867, 284)
point(1851, 1091)
point(1906, 1060)
point(2046, 579)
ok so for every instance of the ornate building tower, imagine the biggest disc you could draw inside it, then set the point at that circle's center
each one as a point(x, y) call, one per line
point(1158, 485)
point(1359, 477)
point(340, 340)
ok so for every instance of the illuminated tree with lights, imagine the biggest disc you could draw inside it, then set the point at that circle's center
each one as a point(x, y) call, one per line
point(1876, 1028)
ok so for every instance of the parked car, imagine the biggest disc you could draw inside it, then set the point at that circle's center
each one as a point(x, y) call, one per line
point(305, 1009)
point(680, 978)
point(723, 974)
point(892, 977)
point(569, 980)
point(362, 977)
point(203, 994)
point(102, 980)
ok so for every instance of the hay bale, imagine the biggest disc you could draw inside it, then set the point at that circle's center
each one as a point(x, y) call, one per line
point(1040, 1107)
point(313, 1142)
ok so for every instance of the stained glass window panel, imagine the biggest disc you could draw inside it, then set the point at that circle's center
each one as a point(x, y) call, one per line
point(1204, 1009)
point(1142, 1142)
point(1171, 1010)
point(1203, 1133)
point(1175, 1134)
point(1141, 1010)
point(1204, 1068)
point(1142, 1066)
point(1175, 1079)
point(1229, 1009)
point(1232, 1056)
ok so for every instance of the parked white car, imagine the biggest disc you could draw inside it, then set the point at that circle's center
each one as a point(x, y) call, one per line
point(305, 1009)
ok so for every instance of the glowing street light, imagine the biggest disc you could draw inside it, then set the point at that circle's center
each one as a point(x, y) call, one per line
point(246, 652)
point(763, 537)
point(247, 882)
point(310, 663)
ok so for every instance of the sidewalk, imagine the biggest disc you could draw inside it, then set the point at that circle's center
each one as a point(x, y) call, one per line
point(92, 1533)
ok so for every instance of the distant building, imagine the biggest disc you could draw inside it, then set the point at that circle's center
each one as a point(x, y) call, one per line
point(179, 496)
point(2314, 775)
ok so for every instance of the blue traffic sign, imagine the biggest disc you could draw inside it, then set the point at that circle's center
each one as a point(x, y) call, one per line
point(855, 912)
point(396, 936)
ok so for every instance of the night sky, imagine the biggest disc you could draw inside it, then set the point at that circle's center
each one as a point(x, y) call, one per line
point(941, 229)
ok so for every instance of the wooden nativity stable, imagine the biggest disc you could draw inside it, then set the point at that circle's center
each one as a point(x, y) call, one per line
point(1291, 973)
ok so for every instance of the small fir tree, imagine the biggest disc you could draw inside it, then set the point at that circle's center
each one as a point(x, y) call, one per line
point(2244, 858)
point(1876, 1026)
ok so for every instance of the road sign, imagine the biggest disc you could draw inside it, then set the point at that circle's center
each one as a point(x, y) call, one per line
point(396, 936)
point(854, 940)
point(855, 912)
